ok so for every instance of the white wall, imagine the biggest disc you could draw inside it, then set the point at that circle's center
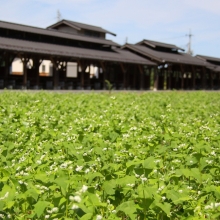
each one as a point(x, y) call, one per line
point(16, 67)
point(46, 68)
point(71, 70)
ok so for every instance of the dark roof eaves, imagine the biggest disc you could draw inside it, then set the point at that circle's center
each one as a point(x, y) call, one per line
point(80, 53)
point(61, 34)
point(155, 59)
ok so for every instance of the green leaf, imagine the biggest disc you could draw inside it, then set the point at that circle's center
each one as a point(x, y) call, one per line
point(108, 188)
point(149, 163)
point(129, 208)
point(164, 206)
point(32, 193)
point(146, 192)
point(62, 200)
point(63, 183)
point(87, 216)
point(42, 177)
point(91, 176)
point(39, 207)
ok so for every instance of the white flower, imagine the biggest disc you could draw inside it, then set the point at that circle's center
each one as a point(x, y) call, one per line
point(64, 165)
point(84, 189)
point(208, 161)
point(213, 153)
point(47, 216)
point(212, 205)
point(163, 198)
point(87, 170)
point(71, 198)
point(74, 207)
point(77, 198)
point(38, 161)
point(131, 184)
point(79, 168)
point(143, 179)
point(98, 217)
point(180, 191)
point(5, 196)
point(55, 209)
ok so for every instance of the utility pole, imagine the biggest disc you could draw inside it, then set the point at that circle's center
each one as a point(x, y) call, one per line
point(126, 40)
point(189, 51)
point(58, 16)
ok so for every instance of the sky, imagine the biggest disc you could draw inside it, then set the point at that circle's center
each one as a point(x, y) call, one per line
point(167, 21)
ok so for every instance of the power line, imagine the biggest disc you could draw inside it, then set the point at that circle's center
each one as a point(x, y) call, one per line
point(170, 38)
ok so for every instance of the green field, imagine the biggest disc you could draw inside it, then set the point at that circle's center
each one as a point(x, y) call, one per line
point(110, 156)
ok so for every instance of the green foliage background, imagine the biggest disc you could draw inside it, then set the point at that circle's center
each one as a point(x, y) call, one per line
point(119, 156)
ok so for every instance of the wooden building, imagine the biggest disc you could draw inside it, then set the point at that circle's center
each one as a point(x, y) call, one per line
point(62, 43)
point(72, 55)
point(212, 71)
point(175, 69)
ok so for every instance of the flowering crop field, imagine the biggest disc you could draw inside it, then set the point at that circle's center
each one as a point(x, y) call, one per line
point(110, 156)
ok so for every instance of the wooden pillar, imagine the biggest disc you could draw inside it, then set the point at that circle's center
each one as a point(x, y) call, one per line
point(56, 64)
point(161, 79)
point(141, 73)
point(182, 76)
point(155, 78)
point(24, 81)
point(211, 79)
point(55, 77)
point(36, 64)
point(104, 69)
point(83, 66)
point(6, 70)
point(124, 71)
point(204, 78)
point(193, 78)
point(173, 80)
point(218, 80)
point(88, 78)
point(8, 59)
point(169, 81)
point(135, 77)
